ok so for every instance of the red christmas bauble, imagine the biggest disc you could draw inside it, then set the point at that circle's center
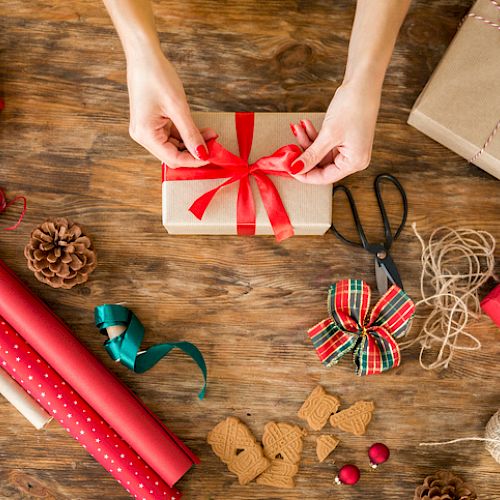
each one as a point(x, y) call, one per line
point(348, 474)
point(378, 454)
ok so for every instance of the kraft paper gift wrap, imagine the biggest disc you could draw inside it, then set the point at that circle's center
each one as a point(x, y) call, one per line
point(460, 105)
point(22, 402)
point(309, 207)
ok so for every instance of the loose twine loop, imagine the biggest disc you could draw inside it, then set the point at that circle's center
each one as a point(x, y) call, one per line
point(456, 263)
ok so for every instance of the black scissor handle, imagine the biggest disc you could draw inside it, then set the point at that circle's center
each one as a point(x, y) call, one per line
point(389, 237)
point(355, 216)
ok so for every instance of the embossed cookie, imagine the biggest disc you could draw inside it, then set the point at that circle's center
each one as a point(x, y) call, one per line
point(233, 442)
point(355, 419)
point(318, 407)
point(325, 445)
point(283, 445)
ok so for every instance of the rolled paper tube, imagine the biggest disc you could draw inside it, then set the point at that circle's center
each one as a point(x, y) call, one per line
point(40, 381)
point(116, 404)
point(491, 305)
point(22, 402)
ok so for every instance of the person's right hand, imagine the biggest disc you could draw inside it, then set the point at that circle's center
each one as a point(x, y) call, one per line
point(160, 118)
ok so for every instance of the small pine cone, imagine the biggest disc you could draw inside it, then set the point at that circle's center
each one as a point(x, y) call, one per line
point(444, 485)
point(60, 254)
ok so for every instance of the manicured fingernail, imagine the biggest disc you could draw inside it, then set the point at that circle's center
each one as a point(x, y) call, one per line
point(297, 167)
point(201, 152)
point(294, 132)
point(303, 124)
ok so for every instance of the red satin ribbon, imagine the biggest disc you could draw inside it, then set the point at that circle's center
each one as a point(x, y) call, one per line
point(4, 205)
point(225, 165)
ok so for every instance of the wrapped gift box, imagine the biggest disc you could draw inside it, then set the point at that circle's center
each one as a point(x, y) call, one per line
point(309, 207)
point(460, 105)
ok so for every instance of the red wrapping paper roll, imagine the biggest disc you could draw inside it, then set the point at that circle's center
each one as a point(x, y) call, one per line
point(116, 404)
point(59, 399)
point(491, 305)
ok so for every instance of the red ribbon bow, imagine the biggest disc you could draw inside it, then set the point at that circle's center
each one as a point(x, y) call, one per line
point(224, 164)
point(4, 205)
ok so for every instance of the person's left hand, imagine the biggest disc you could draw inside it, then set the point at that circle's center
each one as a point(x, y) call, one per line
point(344, 143)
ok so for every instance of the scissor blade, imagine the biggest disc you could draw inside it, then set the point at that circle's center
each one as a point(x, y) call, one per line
point(382, 277)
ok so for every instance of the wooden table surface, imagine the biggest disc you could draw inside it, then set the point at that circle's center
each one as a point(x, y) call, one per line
point(246, 302)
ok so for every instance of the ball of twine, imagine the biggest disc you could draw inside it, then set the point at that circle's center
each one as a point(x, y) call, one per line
point(456, 263)
point(491, 437)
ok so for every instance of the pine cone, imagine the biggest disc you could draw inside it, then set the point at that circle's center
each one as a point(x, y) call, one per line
point(60, 254)
point(444, 485)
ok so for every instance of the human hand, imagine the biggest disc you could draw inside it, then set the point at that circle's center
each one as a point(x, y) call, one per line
point(344, 143)
point(160, 118)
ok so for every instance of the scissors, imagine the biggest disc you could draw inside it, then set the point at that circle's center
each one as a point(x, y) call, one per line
point(385, 268)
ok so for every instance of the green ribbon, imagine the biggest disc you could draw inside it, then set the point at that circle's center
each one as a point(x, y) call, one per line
point(125, 347)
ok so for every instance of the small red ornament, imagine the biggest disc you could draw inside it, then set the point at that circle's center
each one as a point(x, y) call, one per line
point(378, 454)
point(348, 474)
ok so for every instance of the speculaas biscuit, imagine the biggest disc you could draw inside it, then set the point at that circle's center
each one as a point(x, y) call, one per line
point(233, 442)
point(318, 407)
point(283, 446)
point(325, 445)
point(355, 419)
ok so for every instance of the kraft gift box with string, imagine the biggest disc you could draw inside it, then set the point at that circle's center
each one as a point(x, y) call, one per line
point(246, 189)
point(460, 105)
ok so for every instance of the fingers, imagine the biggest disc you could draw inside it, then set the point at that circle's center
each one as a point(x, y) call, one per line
point(302, 137)
point(313, 155)
point(167, 150)
point(310, 129)
point(190, 135)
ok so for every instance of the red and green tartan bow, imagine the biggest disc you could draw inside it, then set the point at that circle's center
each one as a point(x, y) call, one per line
point(349, 328)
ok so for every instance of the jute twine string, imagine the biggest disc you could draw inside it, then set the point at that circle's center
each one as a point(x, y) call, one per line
point(491, 438)
point(456, 263)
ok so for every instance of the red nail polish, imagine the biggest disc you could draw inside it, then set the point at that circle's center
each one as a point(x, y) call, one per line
point(297, 167)
point(303, 124)
point(201, 152)
point(294, 132)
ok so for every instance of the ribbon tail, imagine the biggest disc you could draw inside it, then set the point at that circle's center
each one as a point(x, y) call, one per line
point(200, 205)
point(276, 211)
point(245, 213)
point(377, 352)
point(147, 359)
point(23, 212)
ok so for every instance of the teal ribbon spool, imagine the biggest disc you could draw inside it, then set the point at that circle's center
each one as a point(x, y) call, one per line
point(125, 347)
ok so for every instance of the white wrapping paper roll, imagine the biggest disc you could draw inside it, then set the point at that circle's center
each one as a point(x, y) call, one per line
point(18, 398)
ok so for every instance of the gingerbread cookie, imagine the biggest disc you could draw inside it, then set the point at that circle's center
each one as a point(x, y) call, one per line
point(318, 407)
point(355, 419)
point(233, 442)
point(325, 445)
point(283, 445)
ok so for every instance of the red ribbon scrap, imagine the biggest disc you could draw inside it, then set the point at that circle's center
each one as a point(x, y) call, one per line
point(4, 205)
point(225, 165)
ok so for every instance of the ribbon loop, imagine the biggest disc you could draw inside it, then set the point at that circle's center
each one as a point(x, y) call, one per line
point(225, 165)
point(126, 333)
point(4, 205)
point(372, 338)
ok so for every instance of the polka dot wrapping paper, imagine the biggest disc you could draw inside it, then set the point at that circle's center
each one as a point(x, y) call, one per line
point(117, 405)
point(61, 401)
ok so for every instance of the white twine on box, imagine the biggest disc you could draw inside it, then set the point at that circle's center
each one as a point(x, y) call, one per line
point(456, 263)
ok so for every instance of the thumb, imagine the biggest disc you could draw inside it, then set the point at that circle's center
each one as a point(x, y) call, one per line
point(312, 155)
point(191, 135)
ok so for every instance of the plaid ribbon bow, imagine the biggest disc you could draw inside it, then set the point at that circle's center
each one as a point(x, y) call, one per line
point(349, 328)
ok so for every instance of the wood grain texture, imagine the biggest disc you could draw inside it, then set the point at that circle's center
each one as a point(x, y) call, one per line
point(246, 302)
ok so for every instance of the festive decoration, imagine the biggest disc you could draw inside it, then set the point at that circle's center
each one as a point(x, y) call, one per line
point(59, 399)
point(4, 205)
point(348, 474)
point(491, 305)
point(456, 263)
point(444, 485)
point(378, 454)
point(60, 254)
point(372, 339)
point(158, 446)
point(126, 333)
point(265, 171)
